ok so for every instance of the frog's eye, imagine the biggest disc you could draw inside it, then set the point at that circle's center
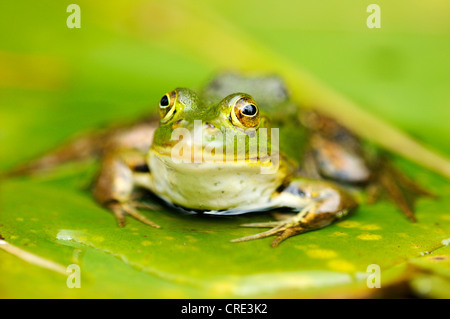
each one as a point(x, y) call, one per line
point(245, 113)
point(167, 106)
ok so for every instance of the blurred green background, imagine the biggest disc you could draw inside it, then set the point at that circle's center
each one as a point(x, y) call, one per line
point(56, 81)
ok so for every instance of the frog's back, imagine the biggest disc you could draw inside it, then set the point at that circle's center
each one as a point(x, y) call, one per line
point(268, 91)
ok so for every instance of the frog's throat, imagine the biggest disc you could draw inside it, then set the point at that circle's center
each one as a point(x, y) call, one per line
point(214, 186)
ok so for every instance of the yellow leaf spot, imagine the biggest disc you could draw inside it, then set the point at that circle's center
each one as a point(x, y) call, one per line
point(191, 239)
point(169, 238)
point(146, 243)
point(98, 238)
point(369, 227)
point(19, 219)
point(341, 265)
point(339, 234)
point(403, 235)
point(185, 246)
point(321, 253)
point(349, 224)
point(369, 237)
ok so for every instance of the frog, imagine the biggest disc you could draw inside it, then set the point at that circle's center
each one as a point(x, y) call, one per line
point(302, 166)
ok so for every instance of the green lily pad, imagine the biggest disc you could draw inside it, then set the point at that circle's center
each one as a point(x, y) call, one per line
point(191, 255)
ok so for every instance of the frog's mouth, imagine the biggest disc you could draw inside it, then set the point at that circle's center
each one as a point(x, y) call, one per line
point(201, 154)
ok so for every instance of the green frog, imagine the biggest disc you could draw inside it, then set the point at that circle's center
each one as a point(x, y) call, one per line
point(237, 146)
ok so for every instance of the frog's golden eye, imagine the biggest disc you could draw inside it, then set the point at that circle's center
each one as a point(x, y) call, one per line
point(167, 106)
point(245, 113)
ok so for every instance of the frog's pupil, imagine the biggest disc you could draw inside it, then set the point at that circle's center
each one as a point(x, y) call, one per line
point(249, 110)
point(164, 101)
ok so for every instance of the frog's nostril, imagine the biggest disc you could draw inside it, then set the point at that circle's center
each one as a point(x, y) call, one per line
point(210, 128)
point(177, 124)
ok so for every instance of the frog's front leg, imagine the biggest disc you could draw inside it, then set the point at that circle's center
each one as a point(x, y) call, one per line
point(116, 181)
point(319, 204)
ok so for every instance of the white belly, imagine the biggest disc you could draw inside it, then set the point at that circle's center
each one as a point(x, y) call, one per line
point(212, 186)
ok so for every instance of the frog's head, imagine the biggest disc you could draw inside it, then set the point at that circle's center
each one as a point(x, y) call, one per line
point(210, 128)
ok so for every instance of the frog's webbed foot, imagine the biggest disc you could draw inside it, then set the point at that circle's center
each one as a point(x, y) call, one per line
point(398, 187)
point(281, 229)
point(146, 206)
point(120, 210)
point(322, 204)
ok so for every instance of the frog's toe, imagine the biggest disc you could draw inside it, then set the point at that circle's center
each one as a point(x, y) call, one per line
point(262, 225)
point(146, 206)
point(282, 231)
point(265, 234)
point(120, 210)
point(119, 213)
point(289, 232)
